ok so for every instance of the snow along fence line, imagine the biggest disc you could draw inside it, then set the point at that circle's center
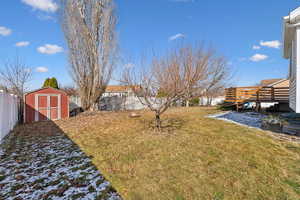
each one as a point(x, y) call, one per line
point(9, 112)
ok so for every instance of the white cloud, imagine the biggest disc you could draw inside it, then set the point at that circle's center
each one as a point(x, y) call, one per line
point(42, 69)
point(272, 44)
point(258, 57)
point(22, 44)
point(43, 5)
point(50, 49)
point(5, 31)
point(256, 47)
point(177, 36)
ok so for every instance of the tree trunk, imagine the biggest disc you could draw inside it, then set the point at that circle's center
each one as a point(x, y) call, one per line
point(210, 101)
point(94, 107)
point(158, 121)
point(187, 104)
point(21, 111)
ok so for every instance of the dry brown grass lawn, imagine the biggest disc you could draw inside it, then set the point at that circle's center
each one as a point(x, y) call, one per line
point(201, 158)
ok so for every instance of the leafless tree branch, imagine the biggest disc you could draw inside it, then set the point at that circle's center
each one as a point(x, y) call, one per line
point(15, 76)
point(89, 28)
point(170, 78)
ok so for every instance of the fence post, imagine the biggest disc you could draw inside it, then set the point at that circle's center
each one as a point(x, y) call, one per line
point(257, 101)
point(236, 95)
point(272, 93)
point(1, 114)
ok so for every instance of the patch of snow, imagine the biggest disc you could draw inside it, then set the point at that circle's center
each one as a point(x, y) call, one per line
point(43, 165)
point(247, 119)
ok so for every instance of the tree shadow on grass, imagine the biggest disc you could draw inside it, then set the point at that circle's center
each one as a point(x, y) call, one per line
point(39, 161)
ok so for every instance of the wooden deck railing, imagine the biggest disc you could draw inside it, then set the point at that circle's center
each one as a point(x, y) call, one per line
point(239, 95)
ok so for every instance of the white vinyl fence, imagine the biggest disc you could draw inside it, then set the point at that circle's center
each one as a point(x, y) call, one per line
point(204, 101)
point(116, 103)
point(9, 106)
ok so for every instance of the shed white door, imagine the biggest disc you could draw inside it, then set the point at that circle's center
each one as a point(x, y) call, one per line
point(47, 107)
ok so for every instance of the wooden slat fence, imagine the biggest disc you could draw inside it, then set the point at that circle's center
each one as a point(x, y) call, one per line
point(240, 95)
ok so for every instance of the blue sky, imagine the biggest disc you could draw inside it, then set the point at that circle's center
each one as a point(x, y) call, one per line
point(248, 33)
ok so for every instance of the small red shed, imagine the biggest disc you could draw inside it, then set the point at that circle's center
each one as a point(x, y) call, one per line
point(46, 104)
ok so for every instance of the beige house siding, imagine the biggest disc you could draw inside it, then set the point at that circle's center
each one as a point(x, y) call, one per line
point(285, 83)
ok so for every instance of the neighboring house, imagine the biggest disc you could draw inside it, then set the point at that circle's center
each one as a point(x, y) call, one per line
point(118, 90)
point(118, 97)
point(276, 83)
point(291, 51)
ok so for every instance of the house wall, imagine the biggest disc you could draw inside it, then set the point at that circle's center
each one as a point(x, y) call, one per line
point(9, 110)
point(121, 94)
point(30, 103)
point(294, 92)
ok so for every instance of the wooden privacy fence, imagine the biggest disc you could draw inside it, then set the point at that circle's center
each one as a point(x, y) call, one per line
point(9, 113)
point(240, 95)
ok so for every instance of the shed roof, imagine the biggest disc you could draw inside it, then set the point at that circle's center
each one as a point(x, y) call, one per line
point(37, 90)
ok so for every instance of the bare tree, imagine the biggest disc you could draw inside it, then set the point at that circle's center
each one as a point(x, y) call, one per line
point(169, 78)
point(89, 28)
point(15, 76)
point(219, 76)
point(218, 79)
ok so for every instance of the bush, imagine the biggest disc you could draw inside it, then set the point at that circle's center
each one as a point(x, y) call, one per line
point(194, 102)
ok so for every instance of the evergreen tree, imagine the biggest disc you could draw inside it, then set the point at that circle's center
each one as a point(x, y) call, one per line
point(54, 83)
point(51, 82)
point(46, 83)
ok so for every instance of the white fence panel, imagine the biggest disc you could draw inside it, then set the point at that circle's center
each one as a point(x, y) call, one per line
point(115, 103)
point(204, 101)
point(9, 108)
